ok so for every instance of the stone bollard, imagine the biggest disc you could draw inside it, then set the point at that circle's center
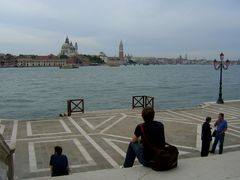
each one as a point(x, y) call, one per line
point(6, 160)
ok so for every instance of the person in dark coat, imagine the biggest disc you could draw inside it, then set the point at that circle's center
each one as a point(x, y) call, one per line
point(206, 137)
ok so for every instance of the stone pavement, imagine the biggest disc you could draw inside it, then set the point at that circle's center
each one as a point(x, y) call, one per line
point(213, 167)
point(98, 140)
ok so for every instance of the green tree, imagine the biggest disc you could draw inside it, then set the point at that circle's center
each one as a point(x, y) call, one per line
point(63, 56)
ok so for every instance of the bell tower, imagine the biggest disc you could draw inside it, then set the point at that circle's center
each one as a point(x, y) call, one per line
point(121, 56)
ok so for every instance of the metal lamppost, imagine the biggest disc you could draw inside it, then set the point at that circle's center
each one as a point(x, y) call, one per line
point(221, 65)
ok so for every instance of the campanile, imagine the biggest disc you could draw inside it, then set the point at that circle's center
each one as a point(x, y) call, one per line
point(121, 56)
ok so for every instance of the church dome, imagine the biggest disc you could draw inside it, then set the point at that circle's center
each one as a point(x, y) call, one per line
point(65, 46)
point(68, 48)
point(72, 48)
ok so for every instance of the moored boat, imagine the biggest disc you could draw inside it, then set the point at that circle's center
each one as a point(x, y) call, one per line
point(69, 66)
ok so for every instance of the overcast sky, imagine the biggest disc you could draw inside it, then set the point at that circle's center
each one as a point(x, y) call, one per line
point(160, 28)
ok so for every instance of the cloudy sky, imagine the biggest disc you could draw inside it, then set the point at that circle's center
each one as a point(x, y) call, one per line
point(160, 28)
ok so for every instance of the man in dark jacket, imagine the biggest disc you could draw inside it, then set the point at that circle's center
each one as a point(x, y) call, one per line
point(206, 137)
point(138, 147)
point(59, 163)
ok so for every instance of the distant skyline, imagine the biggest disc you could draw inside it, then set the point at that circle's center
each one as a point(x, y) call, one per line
point(155, 28)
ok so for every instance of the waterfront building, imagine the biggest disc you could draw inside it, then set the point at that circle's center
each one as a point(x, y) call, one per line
point(40, 61)
point(103, 57)
point(68, 49)
point(7, 60)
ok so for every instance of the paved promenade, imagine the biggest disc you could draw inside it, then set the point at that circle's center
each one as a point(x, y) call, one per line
point(98, 140)
point(214, 167)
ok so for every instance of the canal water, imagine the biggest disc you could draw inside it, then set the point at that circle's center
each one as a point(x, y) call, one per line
point(27, 93)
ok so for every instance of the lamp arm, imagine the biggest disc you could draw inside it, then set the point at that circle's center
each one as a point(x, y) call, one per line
point(217, 67)
point(225, 67)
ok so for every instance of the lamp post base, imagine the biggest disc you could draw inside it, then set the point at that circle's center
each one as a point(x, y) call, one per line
point(220, 101)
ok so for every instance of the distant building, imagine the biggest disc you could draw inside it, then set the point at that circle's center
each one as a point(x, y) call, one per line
point(103, 57)
point(68, 49)
point(7, 60)
point(40, 61)
point(121, 53)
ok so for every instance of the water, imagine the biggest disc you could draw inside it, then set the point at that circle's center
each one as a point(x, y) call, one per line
point(27, 93)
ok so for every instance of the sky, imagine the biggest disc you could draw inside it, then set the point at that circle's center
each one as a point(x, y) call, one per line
point(148, 28)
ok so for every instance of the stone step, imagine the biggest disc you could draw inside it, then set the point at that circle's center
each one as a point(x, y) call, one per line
point(217, 167)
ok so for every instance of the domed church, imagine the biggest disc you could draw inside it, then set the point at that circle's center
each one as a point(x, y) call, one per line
point(68, 49)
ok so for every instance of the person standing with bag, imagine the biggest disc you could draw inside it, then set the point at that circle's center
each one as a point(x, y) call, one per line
point(138, 147)
point(206, 137)
point(221, 126)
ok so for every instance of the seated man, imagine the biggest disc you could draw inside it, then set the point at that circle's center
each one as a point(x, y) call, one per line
point(59, 163)
point(153, 132)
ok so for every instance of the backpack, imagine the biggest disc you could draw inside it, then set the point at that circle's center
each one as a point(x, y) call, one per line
point(164, 158)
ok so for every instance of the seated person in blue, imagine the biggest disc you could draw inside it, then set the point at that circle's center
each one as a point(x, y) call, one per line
point(153, 132)
point(59, 163)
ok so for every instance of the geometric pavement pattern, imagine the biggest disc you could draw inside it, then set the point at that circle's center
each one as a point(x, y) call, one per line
point(99, 140)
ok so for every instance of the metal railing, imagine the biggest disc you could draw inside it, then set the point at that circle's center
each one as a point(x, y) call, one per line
point(142, 101)
point(75, 105)
point(6, 160)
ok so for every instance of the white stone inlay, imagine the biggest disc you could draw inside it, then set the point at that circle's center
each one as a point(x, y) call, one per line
point(94, 144)
point(123, 153)
point(100, 124)
point(198, 137)
point(33, 161)
point(2, 127)
point(187, 115)
point(64, 125)
point(115, 147)
point(110, 126)
point(14, 132)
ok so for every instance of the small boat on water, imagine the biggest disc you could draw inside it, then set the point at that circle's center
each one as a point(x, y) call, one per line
point(93, 64)
point(114, 63)
point(69, 66)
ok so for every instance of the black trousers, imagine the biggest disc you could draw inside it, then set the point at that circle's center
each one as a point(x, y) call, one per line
point(205, 147)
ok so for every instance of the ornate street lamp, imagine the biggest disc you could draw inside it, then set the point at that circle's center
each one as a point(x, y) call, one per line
point(221, 65)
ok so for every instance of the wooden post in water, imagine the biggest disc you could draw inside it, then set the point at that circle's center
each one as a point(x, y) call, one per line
point(69, 107)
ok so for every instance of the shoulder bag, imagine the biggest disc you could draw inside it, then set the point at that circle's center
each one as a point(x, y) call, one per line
point(164, 158)
point(214, 133)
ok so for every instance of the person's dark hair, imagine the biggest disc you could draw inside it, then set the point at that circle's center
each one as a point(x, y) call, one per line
point(208, 119)
point(148, 114)
point(222, 115)
point(58, 150)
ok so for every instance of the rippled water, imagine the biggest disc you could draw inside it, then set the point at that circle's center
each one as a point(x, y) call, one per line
point(42, 92)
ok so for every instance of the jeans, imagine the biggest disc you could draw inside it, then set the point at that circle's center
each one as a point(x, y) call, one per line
point(135, 150)
point(220, 138)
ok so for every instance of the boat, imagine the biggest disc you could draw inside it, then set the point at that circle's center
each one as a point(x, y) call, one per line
point(93, 64)
point(69, 66)
point(114, 63)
